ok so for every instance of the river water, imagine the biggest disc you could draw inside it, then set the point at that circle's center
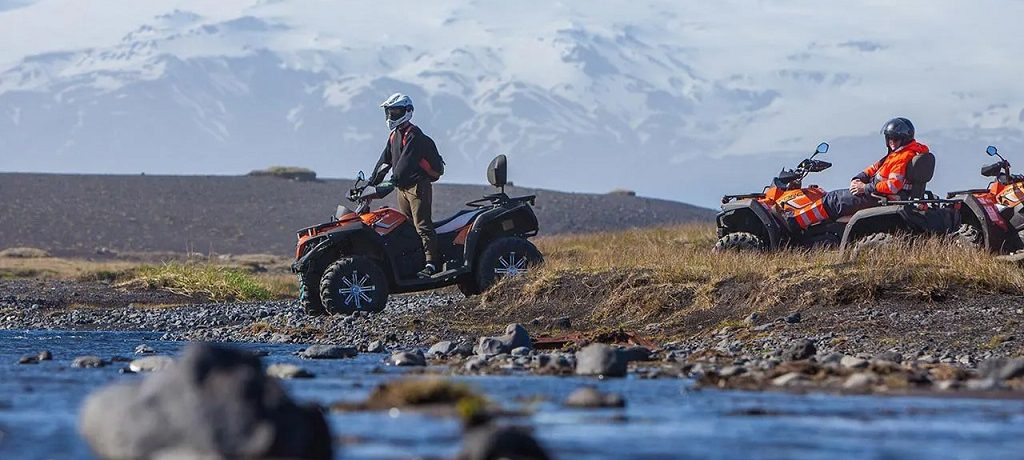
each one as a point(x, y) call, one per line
point(664, 418)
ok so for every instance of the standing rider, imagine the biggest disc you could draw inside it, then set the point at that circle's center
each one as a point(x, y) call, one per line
point(886, 177)
point(413, 159)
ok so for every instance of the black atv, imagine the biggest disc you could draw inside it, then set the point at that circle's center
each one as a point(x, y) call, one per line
point(359, 258)
point(993, 217)
point(757, 221)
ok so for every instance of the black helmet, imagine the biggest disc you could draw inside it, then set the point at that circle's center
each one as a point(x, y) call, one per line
point(899, 129)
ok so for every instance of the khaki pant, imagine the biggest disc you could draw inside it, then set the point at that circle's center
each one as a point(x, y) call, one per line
point(415, 202)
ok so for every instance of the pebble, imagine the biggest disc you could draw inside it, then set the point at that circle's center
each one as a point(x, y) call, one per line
point(151, 363)
point(590, 397)
point(88, 361)
point(376, 347)
point(287, 371)
point(144, 350)
point(788, 379)
point(328, 352)
point(853, 362)
point(408, 358)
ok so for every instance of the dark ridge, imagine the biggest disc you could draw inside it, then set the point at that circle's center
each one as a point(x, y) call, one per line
point(75, 215)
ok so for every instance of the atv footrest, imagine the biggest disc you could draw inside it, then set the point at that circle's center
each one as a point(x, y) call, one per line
point(447, 273)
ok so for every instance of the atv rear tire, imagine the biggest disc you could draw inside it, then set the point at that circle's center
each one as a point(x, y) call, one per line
point(467, 285)
point(739, 241)
point(354, 284)
point(872, 242)
point(309, 296)
point(508, 256)
point(968, 236)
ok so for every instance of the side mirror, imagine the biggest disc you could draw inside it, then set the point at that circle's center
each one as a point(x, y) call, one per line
point(822, 148)
point(360, 176)
point(497, 172)
point(992, 151)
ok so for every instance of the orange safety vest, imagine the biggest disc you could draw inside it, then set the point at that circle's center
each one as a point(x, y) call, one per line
point(888, 175)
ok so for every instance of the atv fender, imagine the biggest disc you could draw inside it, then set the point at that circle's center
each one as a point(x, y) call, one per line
point(331, 240)
point(994, 228)
point(752, 217)
point(899, 218)
point(515, 221)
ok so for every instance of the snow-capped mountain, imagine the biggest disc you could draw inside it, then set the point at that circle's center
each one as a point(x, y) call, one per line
point(682, 100)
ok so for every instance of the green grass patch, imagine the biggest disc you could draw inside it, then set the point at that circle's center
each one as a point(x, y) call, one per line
point(214, 282)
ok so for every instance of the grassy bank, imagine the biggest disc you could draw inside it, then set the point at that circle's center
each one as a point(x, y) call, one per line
point(669, 277)
point(239, 278)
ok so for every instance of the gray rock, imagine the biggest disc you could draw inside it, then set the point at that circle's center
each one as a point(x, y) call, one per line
point(562, 323)
point(29, 359)
point(475, 364)
point(287, 371)
point(890, 355)
point(590, 397)
point(636, 353)
point(151, 363)
point(489, 346)
point(1012, 369)
point(280, 337)
point(600, 359)
point(860, 381)
point(793, 318)
point(515, 336)
point(328, 352)
point(463, 349)
point(731, 371)
point(88, 361)
point(441, 349)
point(983, 385)
point(144, 350)
point(832, 358)
point(798, 350)
point(520, 351)
point(789, 379)
point(853, 362)
point(376, 347)
point(45, 355)
point(216, 403)
point(493, 442)
point(408, 358)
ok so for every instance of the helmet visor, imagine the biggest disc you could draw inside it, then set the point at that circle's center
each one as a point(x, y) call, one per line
point(394, 113)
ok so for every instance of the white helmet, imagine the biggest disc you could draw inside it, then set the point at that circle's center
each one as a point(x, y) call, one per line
point(397, 100)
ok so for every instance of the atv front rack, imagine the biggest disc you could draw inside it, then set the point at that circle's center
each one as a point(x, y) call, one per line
point(727, 198)
point(966, 192)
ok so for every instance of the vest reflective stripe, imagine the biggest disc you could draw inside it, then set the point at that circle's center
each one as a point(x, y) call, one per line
point(810, 215)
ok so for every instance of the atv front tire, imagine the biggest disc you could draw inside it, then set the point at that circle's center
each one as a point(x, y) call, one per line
point(309, 296)
point(508, 256)
point(968, 236)
point(740, 241)
point(354, 284)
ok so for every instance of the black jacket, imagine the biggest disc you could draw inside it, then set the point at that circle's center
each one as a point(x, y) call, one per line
point(408, 154)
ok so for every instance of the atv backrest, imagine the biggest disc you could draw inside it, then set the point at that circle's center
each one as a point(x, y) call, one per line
point(919, 172)
point(497, 171)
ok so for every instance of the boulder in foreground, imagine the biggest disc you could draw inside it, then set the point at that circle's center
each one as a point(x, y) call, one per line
point(215, 402)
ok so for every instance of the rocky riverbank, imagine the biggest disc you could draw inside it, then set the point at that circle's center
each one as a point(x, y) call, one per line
point(883, 348)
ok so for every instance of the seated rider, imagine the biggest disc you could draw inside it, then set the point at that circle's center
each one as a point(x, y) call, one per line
point(414, 162)
point(886, 177)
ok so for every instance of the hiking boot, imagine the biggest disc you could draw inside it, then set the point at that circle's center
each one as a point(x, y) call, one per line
point(428, 271)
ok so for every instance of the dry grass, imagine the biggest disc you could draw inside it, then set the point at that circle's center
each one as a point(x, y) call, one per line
point(240, 277)
point(214, 282)
point(670, 275)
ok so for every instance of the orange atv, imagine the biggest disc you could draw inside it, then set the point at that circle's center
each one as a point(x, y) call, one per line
point(758, 221)
point(993, 217)
point(355, 261)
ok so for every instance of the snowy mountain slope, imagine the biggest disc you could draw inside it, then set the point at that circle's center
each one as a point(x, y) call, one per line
point(682, 100)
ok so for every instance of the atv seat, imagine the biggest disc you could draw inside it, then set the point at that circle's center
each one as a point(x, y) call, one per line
point(459, 220)
point(919, 172)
